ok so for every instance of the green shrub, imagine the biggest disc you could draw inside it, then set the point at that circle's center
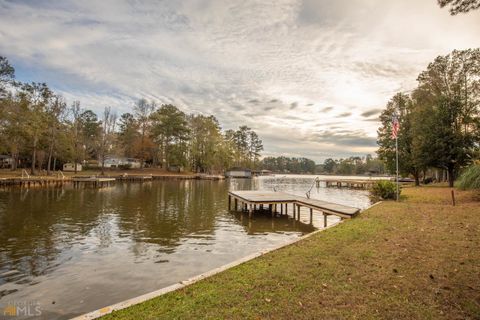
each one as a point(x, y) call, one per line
point(470, 178)
point(383, 190)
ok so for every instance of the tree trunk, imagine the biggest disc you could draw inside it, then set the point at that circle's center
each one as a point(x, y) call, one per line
point(49, 162)
point(54, 163)
point(417, 179)
point(34, 156)
point(451, 176)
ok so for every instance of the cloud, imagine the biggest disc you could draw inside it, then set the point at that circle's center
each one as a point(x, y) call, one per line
point(327, 109)
point(247, 62)
point(344, 115)
point(371, 112)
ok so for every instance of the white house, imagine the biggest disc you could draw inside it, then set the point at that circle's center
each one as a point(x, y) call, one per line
point(71, 167)
point(115, 162)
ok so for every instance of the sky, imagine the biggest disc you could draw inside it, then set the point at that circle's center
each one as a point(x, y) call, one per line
point(309, 76)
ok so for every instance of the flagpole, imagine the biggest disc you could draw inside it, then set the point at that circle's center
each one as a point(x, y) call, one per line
point(396, 155)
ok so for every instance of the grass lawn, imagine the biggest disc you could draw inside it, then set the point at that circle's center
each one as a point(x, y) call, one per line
point(418, 259)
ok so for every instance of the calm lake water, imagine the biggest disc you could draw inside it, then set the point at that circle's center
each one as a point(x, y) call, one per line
point(76, 250)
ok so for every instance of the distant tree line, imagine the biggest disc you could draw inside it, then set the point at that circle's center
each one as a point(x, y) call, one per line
point(352, 166)
point(39, 129)
point(288, 165)
point(439, 120)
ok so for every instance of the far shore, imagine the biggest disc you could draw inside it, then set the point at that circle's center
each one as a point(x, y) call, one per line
point(7, 173)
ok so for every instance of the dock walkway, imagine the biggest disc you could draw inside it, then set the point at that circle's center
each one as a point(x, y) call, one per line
point(94, 181)
point(252, 201)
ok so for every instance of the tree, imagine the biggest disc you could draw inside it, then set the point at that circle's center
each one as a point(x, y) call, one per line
point(255, 146)
point(142, 111)
point(54, 115)
point(409, 163)
point(76, 132)
point(459, 6)
point(128, 135)
point(106, 135)
point(170, 132)
point(206, 143)
point(36, 96)
point(447, 101)
point(7, 74)
point(90, 131)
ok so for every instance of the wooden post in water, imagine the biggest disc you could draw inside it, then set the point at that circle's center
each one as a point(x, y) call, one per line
point(311, 216)
point(298, 213)
point(324, 220)
point(229, 202)
point(250, 211)
point(286, 209)
point(235, 202)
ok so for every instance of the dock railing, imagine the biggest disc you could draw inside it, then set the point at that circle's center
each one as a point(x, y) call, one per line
point(316, 181)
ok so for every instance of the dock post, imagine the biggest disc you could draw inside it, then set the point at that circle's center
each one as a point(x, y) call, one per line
point(298, 213)
point(250, 211)
point(229, 202)
point(270, 207)
point(294, 210)
point(311, 216)
point(286, 209)
point(235, 203)
point(324, 220)
point(281, 209)
point(275, 208)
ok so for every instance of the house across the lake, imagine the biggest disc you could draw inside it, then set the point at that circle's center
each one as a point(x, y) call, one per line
point(5, 161)
point(117, 162)
point(238, 173)
point(70, 167)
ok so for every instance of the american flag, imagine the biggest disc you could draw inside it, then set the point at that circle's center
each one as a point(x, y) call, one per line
point(395, 127)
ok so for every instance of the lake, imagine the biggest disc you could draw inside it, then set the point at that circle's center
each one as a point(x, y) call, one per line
point(76, 250)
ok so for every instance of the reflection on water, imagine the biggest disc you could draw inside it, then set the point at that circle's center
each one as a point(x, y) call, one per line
point(75, 250)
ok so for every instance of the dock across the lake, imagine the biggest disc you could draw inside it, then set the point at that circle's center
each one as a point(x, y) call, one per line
point(347, 183)
point(94, 181)
point(254, 201)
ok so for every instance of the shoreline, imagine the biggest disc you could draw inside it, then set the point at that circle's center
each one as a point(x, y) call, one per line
point(95, 314)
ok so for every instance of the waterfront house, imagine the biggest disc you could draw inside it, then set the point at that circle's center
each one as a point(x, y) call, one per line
point(5, 161)
point(71, 167)
point(119, 162)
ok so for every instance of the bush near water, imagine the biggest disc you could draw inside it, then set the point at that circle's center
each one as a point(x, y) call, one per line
point(383, 190)
point(470, 178)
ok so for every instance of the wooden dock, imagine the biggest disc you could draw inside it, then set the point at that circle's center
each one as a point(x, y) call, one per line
point(93, 181)
point(254, 201)
point(134, 177)
point(34, 181)
point(347, 183)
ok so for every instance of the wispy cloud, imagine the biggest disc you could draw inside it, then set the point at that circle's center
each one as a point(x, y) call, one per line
point(287, 68)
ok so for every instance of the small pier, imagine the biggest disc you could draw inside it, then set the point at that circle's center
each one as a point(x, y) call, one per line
point(347, 183)
point(141, 178)
point(254, 201)
point(34, 181)
point(93, 181)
